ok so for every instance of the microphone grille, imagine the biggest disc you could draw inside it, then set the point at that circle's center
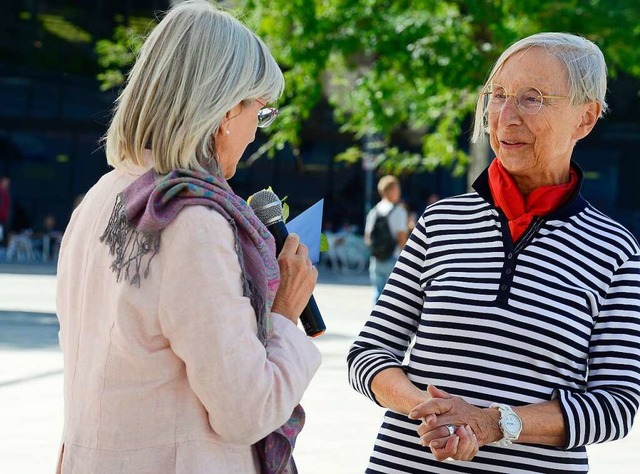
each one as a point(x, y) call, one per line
point(267, 206)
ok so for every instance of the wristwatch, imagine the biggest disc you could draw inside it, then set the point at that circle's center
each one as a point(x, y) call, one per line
point(510, 424)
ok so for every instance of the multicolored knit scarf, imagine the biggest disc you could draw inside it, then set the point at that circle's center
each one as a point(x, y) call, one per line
point(148, 205)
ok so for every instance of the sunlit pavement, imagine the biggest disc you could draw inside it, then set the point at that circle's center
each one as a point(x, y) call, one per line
point(341, 424)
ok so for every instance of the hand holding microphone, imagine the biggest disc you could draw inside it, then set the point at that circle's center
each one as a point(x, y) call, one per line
point(298, 276)
point(297, 279)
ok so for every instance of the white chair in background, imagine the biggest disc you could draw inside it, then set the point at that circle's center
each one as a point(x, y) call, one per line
point(20, 247)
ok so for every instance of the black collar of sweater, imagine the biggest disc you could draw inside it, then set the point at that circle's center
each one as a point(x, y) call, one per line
point(572, 206)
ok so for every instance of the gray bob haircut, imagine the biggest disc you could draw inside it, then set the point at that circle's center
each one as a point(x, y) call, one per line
point(197, 64)
point(586, 71)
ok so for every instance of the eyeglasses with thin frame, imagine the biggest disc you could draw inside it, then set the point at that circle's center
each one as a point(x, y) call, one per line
point(529, 100)
point(266, 115)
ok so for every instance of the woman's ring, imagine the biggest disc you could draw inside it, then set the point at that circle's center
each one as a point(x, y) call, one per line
point(451, 428)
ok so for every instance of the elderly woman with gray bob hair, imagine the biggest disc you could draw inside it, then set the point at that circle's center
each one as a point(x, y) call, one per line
point(177, 322)
point(507, 338)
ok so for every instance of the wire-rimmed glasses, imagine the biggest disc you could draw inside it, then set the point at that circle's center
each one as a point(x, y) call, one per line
point(529, 100)
point(266, 115)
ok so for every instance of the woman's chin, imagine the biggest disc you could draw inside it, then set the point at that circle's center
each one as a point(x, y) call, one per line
point(514, 163)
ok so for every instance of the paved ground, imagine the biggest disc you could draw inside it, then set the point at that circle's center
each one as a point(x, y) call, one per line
point(341, 424)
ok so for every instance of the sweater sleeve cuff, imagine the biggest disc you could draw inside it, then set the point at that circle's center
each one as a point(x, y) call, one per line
point(596, 416)
point(569, 432)
point(364, 366)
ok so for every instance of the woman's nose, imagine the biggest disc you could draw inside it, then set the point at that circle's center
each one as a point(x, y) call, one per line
point(510, 112)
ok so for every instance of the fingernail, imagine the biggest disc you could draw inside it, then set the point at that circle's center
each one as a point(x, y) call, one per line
point(434, 444)
point(412, 415)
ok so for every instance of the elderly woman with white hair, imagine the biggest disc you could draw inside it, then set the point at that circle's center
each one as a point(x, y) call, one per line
point(508, 335)
point(177, 322)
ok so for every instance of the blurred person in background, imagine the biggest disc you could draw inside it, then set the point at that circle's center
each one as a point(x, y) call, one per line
point(433, 197)
point(385, 232)
point(5, 208)
point(179, 327)
point(51, 238)
point(507, 338)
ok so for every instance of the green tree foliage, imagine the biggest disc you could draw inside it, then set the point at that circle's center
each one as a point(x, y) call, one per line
point(412, 69)
point(117, 54)
point(415, 66)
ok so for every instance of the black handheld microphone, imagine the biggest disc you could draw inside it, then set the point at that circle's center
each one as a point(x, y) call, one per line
point(268, 208)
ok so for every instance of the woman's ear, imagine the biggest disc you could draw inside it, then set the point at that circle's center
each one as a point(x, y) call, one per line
point(231, 113)
point(590, 116)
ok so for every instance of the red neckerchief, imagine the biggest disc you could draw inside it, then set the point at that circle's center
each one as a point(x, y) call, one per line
point(520, 210)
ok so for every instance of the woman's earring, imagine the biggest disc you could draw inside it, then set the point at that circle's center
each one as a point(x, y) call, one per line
point(227, 132)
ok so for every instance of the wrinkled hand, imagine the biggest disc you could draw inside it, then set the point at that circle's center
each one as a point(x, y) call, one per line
point(461, 446)
point(474, 426)
point(298, 278)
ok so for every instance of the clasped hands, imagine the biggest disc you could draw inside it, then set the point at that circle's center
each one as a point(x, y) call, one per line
point(474, 427)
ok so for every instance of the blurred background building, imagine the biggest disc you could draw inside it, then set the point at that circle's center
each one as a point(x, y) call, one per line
point(53, 114)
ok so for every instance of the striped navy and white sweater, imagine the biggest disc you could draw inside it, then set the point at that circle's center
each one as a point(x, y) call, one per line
point(554, 316)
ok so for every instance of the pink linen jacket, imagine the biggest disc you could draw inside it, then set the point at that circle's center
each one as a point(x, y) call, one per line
point(169, 377)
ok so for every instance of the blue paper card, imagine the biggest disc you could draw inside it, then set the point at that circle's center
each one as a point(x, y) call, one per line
point(308, 226)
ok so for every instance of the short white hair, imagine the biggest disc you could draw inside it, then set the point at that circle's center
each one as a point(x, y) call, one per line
point(585, 64)
point(197, 64)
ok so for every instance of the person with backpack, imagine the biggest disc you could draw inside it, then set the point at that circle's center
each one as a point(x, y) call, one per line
point(385, 232)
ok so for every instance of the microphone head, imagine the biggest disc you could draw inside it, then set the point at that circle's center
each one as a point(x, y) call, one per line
point(267, 206)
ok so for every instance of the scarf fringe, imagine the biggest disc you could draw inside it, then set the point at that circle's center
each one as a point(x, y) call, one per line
point(129, 246)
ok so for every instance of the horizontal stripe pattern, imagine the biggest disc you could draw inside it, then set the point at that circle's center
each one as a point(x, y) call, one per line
point(567, 326)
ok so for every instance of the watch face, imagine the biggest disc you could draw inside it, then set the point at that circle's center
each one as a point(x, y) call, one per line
point(512, 424)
